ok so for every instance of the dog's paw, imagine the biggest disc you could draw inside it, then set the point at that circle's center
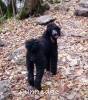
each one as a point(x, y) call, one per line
point(38, 87)
point(48, 70)
point(31, 82)
point(54, 73)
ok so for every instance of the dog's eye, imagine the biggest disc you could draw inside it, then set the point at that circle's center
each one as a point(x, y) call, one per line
point(57, 28)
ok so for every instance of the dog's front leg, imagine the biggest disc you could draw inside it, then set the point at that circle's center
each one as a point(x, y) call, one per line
point(47, 66)
point(30, 68)
point(53, 62)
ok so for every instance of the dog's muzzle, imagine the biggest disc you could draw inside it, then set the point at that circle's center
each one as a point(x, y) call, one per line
point(54, 32)
point(56, 36)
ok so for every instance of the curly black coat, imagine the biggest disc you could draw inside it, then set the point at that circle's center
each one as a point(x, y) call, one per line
point(43, 53)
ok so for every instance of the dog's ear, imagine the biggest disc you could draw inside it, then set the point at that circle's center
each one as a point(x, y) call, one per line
point(50, 25)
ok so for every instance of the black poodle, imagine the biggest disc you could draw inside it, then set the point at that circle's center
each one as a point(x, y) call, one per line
point(43, 53)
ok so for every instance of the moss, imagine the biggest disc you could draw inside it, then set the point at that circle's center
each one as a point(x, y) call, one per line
point(8, 14)
point(21, 15)
point(39, 9)
point(56, 1)
point(9, 11)
point(36, 10)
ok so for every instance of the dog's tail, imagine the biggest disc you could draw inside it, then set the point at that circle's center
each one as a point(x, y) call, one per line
point(32, 45)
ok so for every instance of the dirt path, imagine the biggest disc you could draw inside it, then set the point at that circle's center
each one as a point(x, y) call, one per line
point(71, 82)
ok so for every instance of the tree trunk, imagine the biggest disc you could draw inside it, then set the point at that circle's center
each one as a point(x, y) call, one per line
point(9, 11)
point(3, 7)
point(14, 7)
point(1, 13)
point(30, 7)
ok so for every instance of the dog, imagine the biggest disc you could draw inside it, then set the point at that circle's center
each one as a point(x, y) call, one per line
point(43, 53)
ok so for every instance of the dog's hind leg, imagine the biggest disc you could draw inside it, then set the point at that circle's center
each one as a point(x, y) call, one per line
point(30, 68)
point(39, 73)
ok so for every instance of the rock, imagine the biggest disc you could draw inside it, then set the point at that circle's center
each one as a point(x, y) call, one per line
point(15, 55)
point(4, 93)
point(81, 11)
point(9, 56)
point(3, 85)
point(1, 43)
point(83, 3)
point(44, 19)
point(62, 7)
point(6, 96)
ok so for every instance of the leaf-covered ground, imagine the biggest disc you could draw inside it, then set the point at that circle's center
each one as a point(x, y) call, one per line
point(71, 82)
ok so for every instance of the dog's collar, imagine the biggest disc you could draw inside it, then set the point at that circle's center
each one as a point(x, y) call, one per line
point(52, 40)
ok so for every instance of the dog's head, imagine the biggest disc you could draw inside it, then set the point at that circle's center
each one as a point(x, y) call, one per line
point(53, 30)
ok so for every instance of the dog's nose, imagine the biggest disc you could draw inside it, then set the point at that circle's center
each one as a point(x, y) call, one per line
point(55, 34)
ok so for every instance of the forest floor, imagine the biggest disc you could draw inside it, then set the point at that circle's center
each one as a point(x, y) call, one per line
point(71, 82)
